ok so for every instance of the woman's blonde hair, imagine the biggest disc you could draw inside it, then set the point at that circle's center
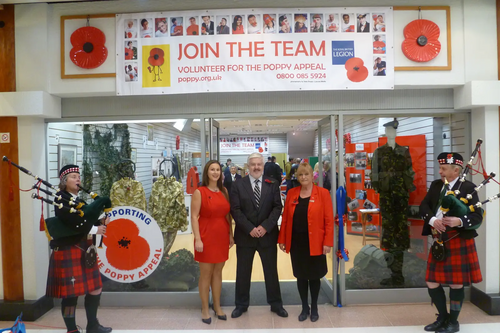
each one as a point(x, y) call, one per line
point(316, 167)
point(304, 168)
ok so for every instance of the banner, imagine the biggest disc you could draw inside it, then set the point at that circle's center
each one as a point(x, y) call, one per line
point(254, 50)
point(238, 145)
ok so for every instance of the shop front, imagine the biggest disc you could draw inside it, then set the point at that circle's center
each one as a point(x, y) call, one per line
point(129, 134)
point(373, 273)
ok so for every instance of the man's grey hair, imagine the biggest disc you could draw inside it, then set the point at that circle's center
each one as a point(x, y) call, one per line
point(255, 155)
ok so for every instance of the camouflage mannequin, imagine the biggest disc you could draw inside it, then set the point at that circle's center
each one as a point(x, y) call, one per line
point(392, 177)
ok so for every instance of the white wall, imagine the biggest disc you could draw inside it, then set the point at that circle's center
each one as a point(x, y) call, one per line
point(166, 133)
point(35, 251)
point(44, 29)
point(70, 133)
point(485, 120)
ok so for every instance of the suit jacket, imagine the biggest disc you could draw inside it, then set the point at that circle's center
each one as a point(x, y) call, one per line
point(210, 28)
point(428, 208)
point(366, 29)
point(247, 215)
point(228, 182)
point(319, 219)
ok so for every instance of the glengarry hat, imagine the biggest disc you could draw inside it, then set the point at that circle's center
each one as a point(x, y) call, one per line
point(70, 168)
point(451, 158)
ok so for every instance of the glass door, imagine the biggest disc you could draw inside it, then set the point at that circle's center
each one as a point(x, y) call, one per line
point(209, 137)
point(213, 147)
point(327, 166)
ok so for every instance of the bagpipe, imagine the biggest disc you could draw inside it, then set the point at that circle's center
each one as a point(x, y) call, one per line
point(54, 226)
point(451, 205)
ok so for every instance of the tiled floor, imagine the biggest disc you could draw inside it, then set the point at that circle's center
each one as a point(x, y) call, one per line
point(352, 319)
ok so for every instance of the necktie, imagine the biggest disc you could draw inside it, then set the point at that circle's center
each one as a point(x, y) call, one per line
point(256, 192)
point(441, 196)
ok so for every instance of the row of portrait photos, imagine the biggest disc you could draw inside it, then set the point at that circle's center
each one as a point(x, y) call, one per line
point(254, 24)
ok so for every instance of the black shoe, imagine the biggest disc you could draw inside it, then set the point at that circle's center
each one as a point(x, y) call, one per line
point(314, 315)
point(237, 312)
point(449, 328)
point(440, 322)
point(223, 317)
point(280, 312)
point(303, 315)
point(207, 321)
point(98, 328)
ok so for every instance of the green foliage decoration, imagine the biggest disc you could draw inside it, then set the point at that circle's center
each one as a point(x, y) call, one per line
point(103, 149)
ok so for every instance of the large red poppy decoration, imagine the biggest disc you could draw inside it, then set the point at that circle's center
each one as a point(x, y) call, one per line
point(125, 248)
point(156, 57)
point(421, 42)
point(88, 48)
point(356, 71)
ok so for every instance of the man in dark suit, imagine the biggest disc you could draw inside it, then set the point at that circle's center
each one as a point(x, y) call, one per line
point(256, 207)
point(461, 265)
point(233, 176)
point(227, 168)
point(207, 27)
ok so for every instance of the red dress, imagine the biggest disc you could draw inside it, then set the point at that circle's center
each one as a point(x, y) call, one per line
point(214, 229)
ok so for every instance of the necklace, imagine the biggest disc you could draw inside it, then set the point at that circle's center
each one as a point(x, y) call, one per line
point(216, 189)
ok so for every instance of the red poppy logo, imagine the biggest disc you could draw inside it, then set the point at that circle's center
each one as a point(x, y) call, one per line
point(356, 71)
point(88, 47)
point(125, 249)
point(421, 42)
point(261, 150)
point(156, 59)
point(269, 181)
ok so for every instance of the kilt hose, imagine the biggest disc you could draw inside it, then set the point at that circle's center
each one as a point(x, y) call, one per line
point(461, 265)
point(68, 276)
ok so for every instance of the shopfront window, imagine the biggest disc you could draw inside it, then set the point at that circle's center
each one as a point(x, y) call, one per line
point(148, 166)
point(389, 164)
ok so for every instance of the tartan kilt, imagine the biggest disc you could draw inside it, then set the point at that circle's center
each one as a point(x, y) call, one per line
point(461, 265)
point(68, 276)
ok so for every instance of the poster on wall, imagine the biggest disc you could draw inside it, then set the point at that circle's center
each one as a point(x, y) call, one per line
point(254, 50)
point(239, 145)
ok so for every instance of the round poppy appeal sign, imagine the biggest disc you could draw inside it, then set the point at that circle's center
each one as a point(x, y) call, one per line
point(133, 246)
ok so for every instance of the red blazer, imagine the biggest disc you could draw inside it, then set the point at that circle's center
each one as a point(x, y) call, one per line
point(319, 216)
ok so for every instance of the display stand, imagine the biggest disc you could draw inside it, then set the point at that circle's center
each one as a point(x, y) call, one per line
point(364, 218)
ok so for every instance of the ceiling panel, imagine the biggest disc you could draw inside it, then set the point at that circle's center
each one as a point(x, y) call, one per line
point(264, 125)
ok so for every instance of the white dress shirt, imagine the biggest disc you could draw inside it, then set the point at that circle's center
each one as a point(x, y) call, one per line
point(252, 181)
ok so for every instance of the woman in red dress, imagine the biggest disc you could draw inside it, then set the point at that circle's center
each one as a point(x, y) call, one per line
point(213, 236)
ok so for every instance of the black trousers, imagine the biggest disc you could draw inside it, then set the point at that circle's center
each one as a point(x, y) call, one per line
point(269, 258)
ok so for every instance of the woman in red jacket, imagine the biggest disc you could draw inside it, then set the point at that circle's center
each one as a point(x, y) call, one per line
point(307, 233)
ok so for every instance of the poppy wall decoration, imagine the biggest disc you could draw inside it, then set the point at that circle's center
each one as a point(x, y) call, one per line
point(85, 44)
point(425, 38)
point(421, 42)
